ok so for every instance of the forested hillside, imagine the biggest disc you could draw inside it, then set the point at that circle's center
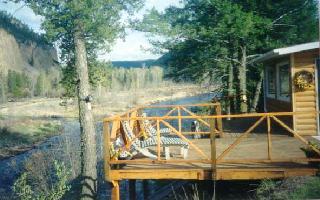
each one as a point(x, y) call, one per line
point(136, 64)
point(218, 39)
point(29, 67)
point(28, 63)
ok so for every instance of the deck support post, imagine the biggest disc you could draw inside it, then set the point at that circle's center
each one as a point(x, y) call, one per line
point(213, 148)
point(106, 141)
point(132, 189)
point(115, 193)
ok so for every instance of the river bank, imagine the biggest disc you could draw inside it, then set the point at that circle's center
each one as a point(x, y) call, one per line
point(65, 148)
point(109, 104)
point(18, 135)
point(26, 124)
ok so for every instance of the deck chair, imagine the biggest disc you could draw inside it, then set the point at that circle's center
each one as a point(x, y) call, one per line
point(137, 146)
point(167, 140)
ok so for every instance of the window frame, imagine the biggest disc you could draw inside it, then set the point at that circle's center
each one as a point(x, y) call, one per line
point(271, 95)
point(280, 96)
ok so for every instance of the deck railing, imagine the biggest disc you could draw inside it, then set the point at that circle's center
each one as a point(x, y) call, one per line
point(212, 124)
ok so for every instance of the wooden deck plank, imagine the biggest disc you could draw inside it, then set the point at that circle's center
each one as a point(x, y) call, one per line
point(206, 174)
point(253, 147)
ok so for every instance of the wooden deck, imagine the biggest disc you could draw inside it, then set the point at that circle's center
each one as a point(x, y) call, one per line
point(254, 147)
point(260, 150)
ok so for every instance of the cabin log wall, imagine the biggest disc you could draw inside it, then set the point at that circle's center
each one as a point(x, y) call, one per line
point(304, 101)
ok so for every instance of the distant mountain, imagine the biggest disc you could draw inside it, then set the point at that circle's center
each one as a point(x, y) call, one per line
point(23, 50)
point(135, 64)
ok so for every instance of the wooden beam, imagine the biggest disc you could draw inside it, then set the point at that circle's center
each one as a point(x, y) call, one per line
point(148, 161)
point(197, 133)
point(185, 139)
point(185, 105)
point(115, 128)
point(269, 138)
point(295, 134)
point(171, 111)
point(256, 174)
point(179, 120)
point(213, 148)
point(115, 193)
point(158, 174)
point(246, 115)
point(264, 161)
point(238, 140)
point(219, 120)
point(248, 173)
point(194, 115)
point(225, 161)
point(158, 140)
point(167, 114)
point(106, 142)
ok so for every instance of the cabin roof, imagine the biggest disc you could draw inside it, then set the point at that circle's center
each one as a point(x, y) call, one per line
point(286, 50)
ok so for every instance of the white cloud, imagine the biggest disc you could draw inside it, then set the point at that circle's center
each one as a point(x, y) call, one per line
point(23, 13)
point(130, 49)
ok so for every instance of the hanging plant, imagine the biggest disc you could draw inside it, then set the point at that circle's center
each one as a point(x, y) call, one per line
point(303, 80)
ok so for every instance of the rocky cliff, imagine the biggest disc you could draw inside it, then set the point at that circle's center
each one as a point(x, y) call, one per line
point(25, 56)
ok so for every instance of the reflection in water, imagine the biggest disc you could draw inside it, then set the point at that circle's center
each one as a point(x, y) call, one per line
point(66, 148)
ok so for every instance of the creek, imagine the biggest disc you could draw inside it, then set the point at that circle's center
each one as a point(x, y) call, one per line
point(66, 147)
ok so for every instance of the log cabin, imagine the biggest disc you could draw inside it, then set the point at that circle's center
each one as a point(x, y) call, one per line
point(291, 84)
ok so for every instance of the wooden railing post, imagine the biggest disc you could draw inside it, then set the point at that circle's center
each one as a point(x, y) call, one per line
point(158, 140)
point(106, 142)
point(219, 120)
point(179, 119)
point(269, 137)
point(213, 148)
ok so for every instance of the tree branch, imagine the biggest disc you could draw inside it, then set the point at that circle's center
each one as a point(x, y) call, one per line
point(290, 12)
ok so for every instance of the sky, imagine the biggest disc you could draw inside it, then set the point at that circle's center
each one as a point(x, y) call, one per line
point(131, 48)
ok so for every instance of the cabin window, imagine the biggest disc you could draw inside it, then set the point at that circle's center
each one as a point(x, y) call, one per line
point(271, 86)
point(283, 92)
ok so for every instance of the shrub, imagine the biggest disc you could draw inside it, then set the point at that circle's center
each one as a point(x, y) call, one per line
point(25, 191)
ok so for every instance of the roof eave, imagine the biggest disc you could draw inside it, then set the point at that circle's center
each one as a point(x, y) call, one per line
point(266, 56)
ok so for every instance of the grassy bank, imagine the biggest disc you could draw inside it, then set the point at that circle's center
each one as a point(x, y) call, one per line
point(105, 104)
point(296, 188)
point(22, 127)
point(20, 135)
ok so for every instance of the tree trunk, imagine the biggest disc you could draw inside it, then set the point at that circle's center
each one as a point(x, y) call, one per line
point(88, 135)
point(230, 89)
point(3, 91)
point(257, 94)
point(243, 81)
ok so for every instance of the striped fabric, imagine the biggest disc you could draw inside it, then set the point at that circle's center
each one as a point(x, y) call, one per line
point(164, 141)
point(152, 141)
point(139, 146)
point(151, 131)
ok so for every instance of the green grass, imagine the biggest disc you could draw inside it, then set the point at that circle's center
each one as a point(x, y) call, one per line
point(290, 189)
point(310, 190)
point(18, 135)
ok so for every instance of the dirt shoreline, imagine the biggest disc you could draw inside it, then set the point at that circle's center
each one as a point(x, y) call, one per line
point(111, 103)
point(49, 109)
